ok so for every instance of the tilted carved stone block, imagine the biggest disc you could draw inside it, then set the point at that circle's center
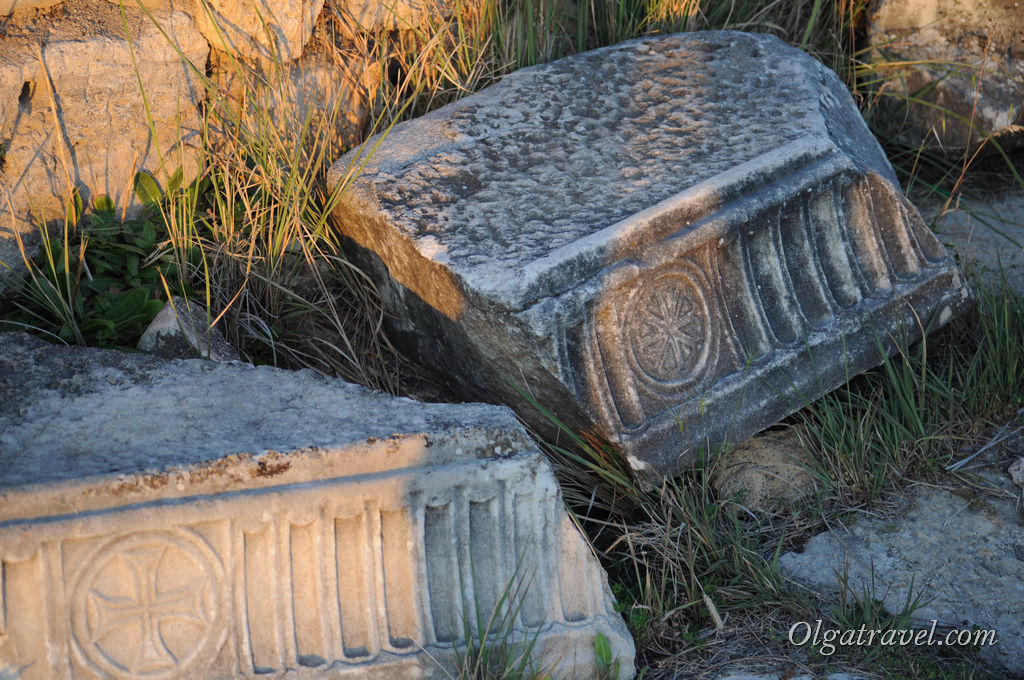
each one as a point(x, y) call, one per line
point(146, 531)
point(676, 241)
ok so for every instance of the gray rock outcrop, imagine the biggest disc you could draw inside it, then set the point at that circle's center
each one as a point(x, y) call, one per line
point(964, 557)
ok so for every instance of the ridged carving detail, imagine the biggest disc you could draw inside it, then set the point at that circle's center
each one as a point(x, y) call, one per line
point(784, 273)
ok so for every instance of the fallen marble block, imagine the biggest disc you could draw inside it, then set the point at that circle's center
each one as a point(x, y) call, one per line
point(185, 519)
point(675, 241)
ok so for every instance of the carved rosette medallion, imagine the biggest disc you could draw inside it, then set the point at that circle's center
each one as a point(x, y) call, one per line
point(668, 328)
point(150, 606)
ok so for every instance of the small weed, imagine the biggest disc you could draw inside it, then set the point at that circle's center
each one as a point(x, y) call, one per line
point(859, 625)
point(605, 664)
point(679, 555)
point(859, 607)
point(992, 376)
point(696, 552)
point(495, 649)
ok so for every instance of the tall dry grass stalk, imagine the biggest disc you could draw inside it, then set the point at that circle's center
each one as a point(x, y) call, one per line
point(252, 232)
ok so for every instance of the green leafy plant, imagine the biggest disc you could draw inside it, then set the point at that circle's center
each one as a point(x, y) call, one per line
point(97, 282)
point(605, 664)
point(251, 234)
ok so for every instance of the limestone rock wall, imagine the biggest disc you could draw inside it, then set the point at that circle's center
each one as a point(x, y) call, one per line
point(74, 117)
point(72, 114)
point(964, 79)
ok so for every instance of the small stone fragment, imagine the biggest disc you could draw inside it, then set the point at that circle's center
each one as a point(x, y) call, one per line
point(181, 330)
point(1016, 472)
point(765, 471)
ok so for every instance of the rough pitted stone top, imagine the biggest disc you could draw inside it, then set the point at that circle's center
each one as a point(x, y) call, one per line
point(72, 413)
point(515, 187)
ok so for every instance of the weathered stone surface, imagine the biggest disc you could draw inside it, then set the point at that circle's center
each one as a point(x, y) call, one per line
point(273, 32)
point(767, 470)
point(182, 519)
point(965, 556)
point(9, 7)
point(965, 61)
point(375, 15)
point(72, 115)
point(987, 237)
point(323, 90)
point(181, 330)
point(699, 219)
point(263, 33)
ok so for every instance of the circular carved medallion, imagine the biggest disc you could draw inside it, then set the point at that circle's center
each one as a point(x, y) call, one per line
point(149, 606)
point(668, 329)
